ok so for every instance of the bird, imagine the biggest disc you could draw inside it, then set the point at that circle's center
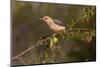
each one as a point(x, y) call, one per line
point(54, 24)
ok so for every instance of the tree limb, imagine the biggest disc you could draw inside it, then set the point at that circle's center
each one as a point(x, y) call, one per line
point(40, 41)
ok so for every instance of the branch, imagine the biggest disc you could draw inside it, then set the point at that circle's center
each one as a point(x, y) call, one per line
point(75, 29)
point(40, 41)
point(34, 45)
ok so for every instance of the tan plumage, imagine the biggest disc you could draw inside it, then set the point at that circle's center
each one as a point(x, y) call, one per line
point(52, 25)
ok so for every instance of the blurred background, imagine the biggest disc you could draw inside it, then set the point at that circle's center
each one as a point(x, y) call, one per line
point(27, 29)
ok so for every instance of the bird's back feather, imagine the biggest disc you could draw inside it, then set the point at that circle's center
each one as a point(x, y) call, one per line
point(58, 22)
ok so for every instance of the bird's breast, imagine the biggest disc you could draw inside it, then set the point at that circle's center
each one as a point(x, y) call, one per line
point(56, 28)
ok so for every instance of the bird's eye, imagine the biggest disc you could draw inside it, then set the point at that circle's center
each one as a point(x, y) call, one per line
point(45, 18)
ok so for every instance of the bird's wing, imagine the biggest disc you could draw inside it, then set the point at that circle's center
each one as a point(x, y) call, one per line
point(59, 22)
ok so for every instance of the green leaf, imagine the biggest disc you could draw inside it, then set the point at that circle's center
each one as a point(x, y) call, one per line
point(92, 13)
point(55, 39)
point(51, 42)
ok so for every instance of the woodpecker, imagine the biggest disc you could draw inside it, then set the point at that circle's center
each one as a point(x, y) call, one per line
point(55, 25)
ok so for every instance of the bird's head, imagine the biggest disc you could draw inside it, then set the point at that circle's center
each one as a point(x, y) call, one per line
point(47, 19)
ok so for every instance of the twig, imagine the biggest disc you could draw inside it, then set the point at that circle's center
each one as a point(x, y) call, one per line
point(40, 41)
point(34, 45)
point(23, 52)
point(82, 29)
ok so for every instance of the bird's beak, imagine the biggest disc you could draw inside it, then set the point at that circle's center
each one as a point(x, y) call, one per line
point(41, 18)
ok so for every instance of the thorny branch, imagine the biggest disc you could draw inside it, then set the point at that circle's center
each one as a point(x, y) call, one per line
point(34, 45)
point(40, 41)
